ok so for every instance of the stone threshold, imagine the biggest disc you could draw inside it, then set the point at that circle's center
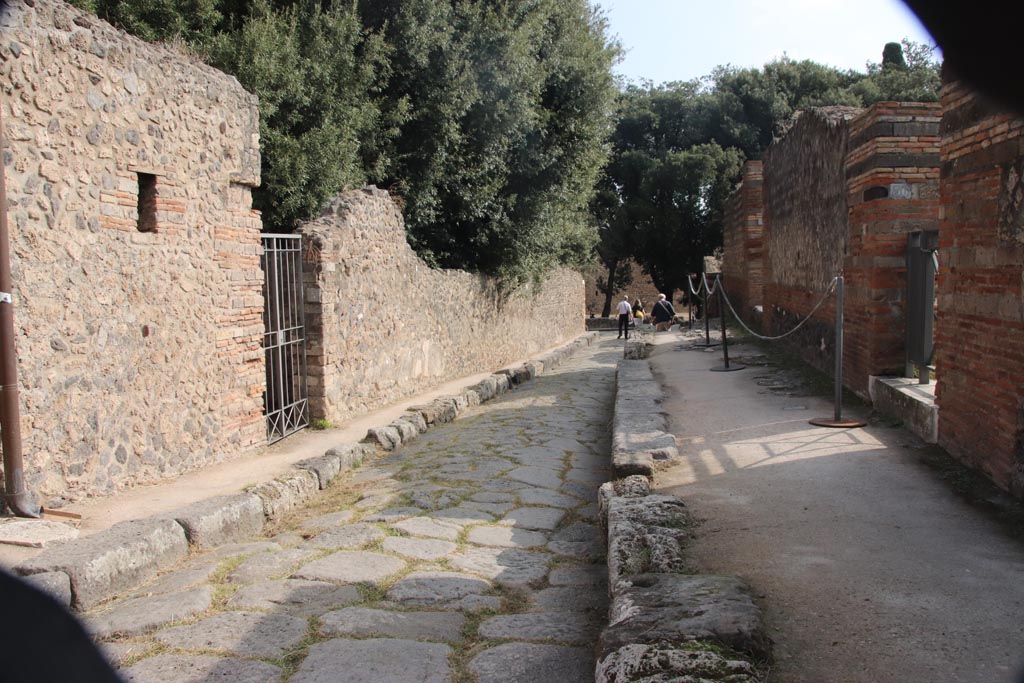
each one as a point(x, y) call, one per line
point(904, 399)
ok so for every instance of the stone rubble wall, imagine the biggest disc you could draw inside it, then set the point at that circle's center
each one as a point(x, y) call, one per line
point(382, 325)
point(139, 353)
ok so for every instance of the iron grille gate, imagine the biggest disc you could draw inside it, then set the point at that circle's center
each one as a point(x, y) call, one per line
point(284, 339)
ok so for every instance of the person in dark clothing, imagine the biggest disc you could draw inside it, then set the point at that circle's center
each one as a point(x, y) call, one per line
point(639, 312)
point(662, 314)
point(625, 312)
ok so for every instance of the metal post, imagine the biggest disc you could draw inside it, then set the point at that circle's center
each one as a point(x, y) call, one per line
point(689, 301)
point(837, 418)
point(725, 343)
point(707, 323)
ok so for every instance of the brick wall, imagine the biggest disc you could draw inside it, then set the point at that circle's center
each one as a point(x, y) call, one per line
point(980, 327)
point(138, 345)
point(805, 229)
point(743, 243)
point(892, 180)
point(382, 325)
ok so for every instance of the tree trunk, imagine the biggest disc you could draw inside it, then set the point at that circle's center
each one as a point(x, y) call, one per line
point(609, 290)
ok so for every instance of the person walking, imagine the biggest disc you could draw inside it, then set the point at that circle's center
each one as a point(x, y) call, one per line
point(662, 314)
point(638, 310)
point(625, 312)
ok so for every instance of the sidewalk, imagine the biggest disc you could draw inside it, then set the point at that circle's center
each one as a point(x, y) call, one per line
point(233, 476)
point(867, 567)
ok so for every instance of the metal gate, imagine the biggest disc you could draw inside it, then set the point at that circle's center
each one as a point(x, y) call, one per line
point(922, 265)
point(284, 338)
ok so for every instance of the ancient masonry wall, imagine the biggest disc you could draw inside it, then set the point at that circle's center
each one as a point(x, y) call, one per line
point(805, 229)
point(382, 325)
point(892, 190)
point(743, 243)
point(138, 335)
point(979, 334)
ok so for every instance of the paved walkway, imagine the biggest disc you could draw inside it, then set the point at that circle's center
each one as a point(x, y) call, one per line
point(868, 568)
point(471, 553)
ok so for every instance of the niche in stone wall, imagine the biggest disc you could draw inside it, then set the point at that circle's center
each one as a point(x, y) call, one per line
point(147, 202)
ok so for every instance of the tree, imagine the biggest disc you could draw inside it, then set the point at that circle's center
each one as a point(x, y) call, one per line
point(913, 77)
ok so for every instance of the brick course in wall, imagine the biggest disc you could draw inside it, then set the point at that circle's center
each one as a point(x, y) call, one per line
point(980, 327)
point(743, 243)
point(382, 325)
point(138, 341)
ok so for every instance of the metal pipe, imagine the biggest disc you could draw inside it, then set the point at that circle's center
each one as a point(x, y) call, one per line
point(18, 498)
point(721, 313)
point(840, 293)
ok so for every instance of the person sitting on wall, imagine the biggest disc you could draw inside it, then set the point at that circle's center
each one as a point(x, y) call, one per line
point(638, 310)
point(625, 312)
point(662, 314)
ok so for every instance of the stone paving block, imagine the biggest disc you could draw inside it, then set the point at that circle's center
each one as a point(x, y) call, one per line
point(548, 497)
point(347, 536)
point(537, 476)
point(509, 566)
point(117, 653)
point(325, 467)
point(424, 526)
point(375, 660)
point(419, 548)
point(140, 615)
point(570, 599)
point(530, 663)
point(506, 537)
point(55, 584)
point(178, 580)
point(294, 596)
point(538, 518)
point(327, 521)
point(224, 519)
point(200, 669)
point(265, 566)
point(250, 634)
point(562, 627)
point(436, 587)
point(235, 549)
point(579, 575)
point(349, 566)
point(393, 514)
point(666, 663)
point(496, 509)
point(281, 495)
point(113, 561)
point(462, 516)
point(647, 534)
point(491, 497)
point(363, 622)
point(674, 608)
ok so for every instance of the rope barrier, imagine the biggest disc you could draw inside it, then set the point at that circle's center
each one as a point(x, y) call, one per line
point(821, 302)
point(695, 292)
point(708, 288)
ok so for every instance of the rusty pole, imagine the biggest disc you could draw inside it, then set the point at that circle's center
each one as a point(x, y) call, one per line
point(18, 498)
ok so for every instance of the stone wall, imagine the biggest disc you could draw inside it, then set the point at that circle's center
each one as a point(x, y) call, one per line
point(805, 228)
point(138, 336)
point(382, 325)
point(641, 288)
point(892, 170)
point(979, 333)
point(743, 243)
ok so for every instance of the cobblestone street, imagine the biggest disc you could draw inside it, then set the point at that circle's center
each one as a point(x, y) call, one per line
point(472, 553)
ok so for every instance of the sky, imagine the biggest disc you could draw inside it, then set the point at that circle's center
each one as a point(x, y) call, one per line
point(679, 40)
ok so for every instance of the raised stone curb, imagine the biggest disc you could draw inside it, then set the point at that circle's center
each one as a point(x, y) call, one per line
point(285, 493)
point(647, 534)
point(225, 519)
point(640, 442)
point(113, 561)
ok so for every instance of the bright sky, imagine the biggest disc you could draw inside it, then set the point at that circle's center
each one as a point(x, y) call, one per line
point(678, 40)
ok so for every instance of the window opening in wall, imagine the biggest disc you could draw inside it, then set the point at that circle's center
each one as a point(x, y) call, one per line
point(147, 202)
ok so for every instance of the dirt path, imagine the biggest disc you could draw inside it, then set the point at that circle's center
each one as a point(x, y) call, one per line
point(868, 568)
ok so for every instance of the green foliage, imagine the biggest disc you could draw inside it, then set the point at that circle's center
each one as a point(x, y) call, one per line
point(507, 105)
point(316, 75)
point(152, 20)
point(892, 56)
point(916, 79)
